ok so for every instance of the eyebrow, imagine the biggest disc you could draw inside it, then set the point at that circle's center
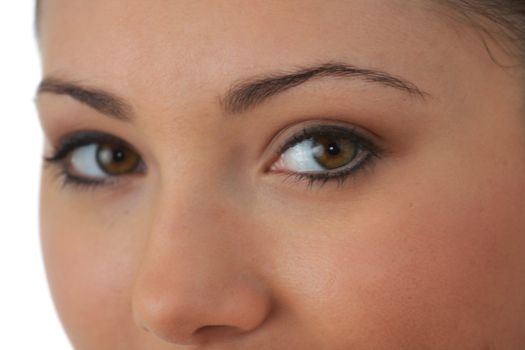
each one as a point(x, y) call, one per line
point(250, 93)
point(105, 102)
point(242, 96)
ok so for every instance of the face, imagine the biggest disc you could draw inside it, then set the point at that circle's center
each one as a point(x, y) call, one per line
point(280, 175)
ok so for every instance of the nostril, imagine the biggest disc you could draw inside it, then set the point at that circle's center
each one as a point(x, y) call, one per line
point(218, 329)
point(218, 332)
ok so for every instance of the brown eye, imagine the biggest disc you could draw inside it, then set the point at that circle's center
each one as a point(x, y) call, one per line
point(333, 152)
point(117, 159)
point(97, 161)
point(324, 152)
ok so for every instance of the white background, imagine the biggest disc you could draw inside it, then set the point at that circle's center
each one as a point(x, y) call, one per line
point(27, 316)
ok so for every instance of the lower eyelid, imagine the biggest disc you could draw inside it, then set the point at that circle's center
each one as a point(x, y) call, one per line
point(338, 177)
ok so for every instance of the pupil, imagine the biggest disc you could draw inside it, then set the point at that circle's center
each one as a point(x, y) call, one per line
point(118, 155)
point(334, 149)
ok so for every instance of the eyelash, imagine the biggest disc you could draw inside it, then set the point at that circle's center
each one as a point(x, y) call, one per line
point(70, 143)
point(339, 176)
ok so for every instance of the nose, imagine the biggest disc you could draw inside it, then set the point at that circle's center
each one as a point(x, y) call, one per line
point(196, 284)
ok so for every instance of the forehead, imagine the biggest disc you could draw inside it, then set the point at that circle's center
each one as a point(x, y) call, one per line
point(184, 46)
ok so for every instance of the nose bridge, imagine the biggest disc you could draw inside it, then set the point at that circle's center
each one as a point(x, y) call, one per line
point(194, 282)
point(188, 234)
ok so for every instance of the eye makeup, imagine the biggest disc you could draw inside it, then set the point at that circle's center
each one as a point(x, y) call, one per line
point(325, 141)
point(318, 152)
point(107, 152)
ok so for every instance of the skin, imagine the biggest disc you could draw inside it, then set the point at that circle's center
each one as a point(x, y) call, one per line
point(211, 249)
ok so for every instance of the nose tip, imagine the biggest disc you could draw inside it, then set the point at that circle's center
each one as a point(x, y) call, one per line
point(193, 316)
point(199, 279)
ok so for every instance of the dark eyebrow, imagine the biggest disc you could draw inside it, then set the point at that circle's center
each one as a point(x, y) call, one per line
point(100, 100)
point(250, 93)
point(241, 96)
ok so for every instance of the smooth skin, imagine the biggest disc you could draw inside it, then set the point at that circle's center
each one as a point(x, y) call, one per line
point(211, 248)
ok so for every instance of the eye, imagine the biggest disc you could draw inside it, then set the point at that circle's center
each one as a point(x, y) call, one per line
point(102, 160)
point(317, 154)
point(325, 152)
point(91, 157)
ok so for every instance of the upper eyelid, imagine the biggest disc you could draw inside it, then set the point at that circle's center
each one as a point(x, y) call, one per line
point(330, 129)
point(71, 141)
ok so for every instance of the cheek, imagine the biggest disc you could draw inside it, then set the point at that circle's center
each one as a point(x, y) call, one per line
point(432, 259)
point(90, 262)
point(447, 270)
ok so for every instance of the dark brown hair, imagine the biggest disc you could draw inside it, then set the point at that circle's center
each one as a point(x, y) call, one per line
point(502, 21)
